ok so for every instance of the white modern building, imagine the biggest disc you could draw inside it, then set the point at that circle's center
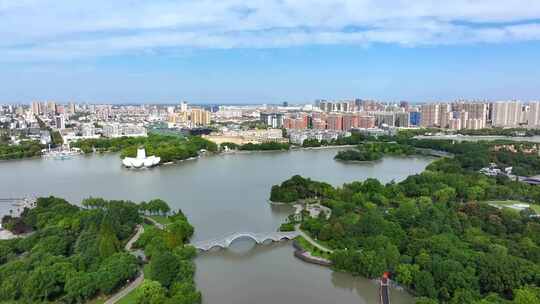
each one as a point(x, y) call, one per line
point(141, 160)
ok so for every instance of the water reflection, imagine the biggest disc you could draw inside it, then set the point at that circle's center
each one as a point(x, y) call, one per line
point(270, 274)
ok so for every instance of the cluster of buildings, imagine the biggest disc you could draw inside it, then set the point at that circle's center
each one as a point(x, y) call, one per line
point(479, 115)
point(115, 129)
point(322, 120)
point(186, 116)
point(298, 137)
point(241, 136)
point(369, 114)
point(455, 116)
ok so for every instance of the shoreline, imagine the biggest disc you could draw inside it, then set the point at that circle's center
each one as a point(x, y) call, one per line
point(281, 203)
point(307, 257)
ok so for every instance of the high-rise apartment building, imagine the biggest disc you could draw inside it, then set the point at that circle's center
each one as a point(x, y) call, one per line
point(463, 117)
point(366, 122)
point(183, 106)
point(199, 117)
point(533, 119)
point(430, 115)
point(444, 110)
point(402, 119)
point(51, 107)
point(384, 118)
point(60, 122)
point(415, 118)
point(273, 120)
point(72, 108)
point(350, 121)
point(454, 124)
point(506, 113)
point(36, 108)
point(334, 122)
point(477, 110)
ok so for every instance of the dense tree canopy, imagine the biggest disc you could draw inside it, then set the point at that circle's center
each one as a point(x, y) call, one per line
point(169, 148)
point(23, 150)
point(433, 231)
point(169, 278)
point(370, 151)
point(298, 188)
point(269, 146)
point(72, 255)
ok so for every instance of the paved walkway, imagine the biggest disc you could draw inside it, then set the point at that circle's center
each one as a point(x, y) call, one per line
point(134, 238)
point(126, 290)
point(140, 277)
point(311, 240)
point(154, 222)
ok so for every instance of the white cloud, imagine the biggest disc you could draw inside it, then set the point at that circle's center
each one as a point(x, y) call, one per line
point(60, 29)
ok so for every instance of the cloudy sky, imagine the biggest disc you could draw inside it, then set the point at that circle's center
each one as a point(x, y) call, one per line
point(268, 51)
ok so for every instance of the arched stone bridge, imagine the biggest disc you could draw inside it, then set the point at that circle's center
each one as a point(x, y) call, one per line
point(259, 238)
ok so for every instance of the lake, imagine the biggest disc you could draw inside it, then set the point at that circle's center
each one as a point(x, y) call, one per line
point(224, 194)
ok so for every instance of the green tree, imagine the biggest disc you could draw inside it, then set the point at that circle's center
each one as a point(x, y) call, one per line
point(80, 287)
point(406, 273)
point(164, 268)
point(424, 284)
point(108, 243)
point(150, 292)
point(527, 295)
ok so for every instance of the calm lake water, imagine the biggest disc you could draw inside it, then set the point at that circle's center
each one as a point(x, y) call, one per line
point(224, 194)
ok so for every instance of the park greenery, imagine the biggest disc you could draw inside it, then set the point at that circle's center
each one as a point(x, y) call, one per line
point(477, 155)
point(169, 148)
point(72, 255)
point(169, 279)
point(267, 146)
point(500, 132)
point(371, 151)
point(357, 138)
point(25, 149)
point(470, 155)
point(75, 255)
point(297, 188)
point(433, 231)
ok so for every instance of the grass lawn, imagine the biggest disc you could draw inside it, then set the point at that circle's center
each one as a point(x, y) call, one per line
point(312, 249)
point(164, 220)
point(508, 203)
point(130, 298)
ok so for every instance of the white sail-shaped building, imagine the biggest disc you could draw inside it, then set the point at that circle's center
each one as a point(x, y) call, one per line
point(141, 160)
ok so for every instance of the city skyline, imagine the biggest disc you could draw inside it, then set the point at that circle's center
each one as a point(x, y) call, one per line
point(268, 51)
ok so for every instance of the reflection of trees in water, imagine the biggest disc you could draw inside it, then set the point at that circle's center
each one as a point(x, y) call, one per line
point(281, 209)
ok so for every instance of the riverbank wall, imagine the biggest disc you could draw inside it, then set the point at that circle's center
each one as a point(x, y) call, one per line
point(305, 256)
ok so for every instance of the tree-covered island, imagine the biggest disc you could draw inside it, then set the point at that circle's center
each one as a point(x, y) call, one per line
point(168, 148)
point(371, 151)
point(267, 146)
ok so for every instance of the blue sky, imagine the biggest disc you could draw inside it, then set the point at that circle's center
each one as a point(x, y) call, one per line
point(268, 51)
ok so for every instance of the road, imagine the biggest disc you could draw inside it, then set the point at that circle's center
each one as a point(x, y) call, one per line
point(140, 277)
point(126, 290)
